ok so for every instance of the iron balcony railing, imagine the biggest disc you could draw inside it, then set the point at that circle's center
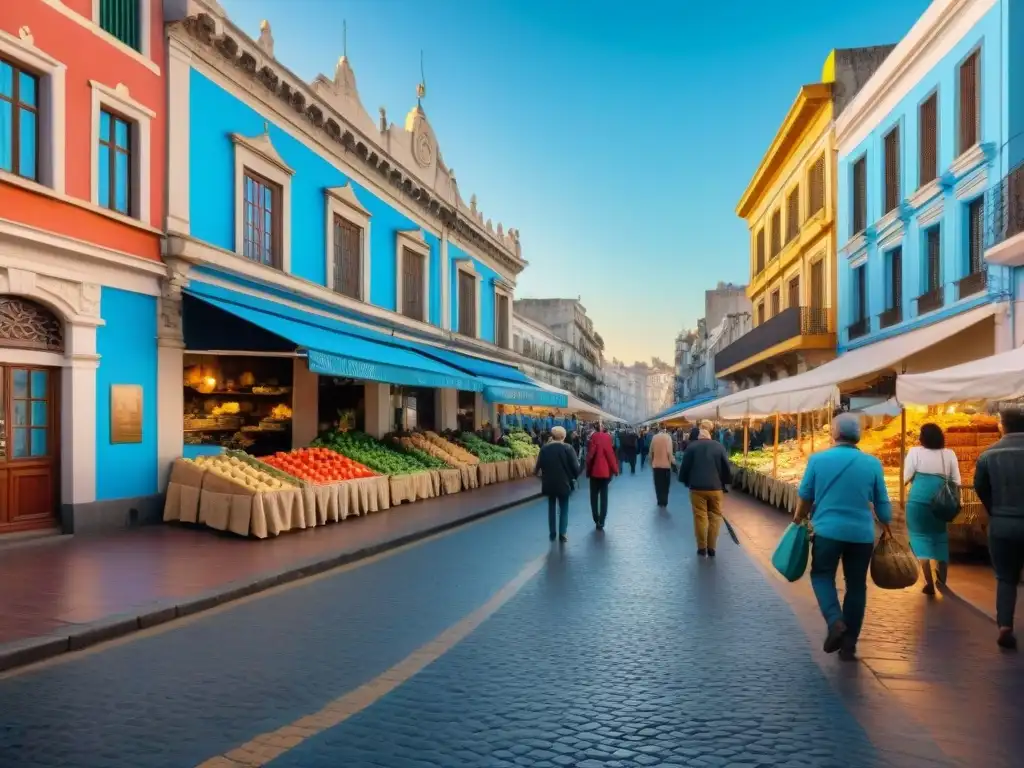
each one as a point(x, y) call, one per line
point(788, 324)
point(929, 302)
point(890, 317)
point(1004, 206)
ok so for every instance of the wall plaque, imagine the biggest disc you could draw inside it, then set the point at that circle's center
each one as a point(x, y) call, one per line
point(125, 413)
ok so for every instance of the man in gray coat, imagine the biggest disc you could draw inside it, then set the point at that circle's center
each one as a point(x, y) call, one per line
point(999, 483)
point(706, 472)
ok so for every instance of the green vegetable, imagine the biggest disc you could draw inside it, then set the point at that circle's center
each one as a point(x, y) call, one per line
point(369, 452)
point(483, 450)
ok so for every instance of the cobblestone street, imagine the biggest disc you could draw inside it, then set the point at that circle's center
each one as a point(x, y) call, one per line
point(488, 646)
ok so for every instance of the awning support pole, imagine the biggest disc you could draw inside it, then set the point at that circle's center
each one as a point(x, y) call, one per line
point(775, 449)
point(746, 440)
point(903, 455)
point(814, 427)
point(799, 435)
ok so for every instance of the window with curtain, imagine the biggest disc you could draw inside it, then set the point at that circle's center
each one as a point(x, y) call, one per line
point(114, 162)
point(19, 121)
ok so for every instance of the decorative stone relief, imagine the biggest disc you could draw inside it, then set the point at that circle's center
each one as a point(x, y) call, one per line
point(170, 300)
point(79, 298)
point(25, 323)
point(266, 39)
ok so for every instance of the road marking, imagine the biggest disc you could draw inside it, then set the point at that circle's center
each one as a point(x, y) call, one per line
point(269, 746)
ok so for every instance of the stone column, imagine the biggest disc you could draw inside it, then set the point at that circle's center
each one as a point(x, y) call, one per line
point(305, 404)
point(482, 411)
point(78, 413)
point(170, 367)
point(378, 408)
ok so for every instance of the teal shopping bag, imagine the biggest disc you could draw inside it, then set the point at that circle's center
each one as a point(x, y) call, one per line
point(790, 558)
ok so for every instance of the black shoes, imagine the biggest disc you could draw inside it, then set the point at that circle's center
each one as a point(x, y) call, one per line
point(834, 639)
point(1007, 640)
point(711, 552)
point(702, 553)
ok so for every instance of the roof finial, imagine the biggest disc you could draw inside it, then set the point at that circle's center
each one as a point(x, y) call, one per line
point(344, 38)
point(421, 89)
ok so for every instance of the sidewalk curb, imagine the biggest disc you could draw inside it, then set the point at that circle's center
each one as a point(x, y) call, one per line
point(20, 653)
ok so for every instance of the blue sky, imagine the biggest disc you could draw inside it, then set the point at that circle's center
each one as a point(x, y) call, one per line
point(616, 137)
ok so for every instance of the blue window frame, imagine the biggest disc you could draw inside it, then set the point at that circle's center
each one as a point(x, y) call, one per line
point(19, 121)
point(114, 164)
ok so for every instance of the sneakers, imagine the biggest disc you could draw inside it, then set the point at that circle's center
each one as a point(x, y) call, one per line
point(563, 538)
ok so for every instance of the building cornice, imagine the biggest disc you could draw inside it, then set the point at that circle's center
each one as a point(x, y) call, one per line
point(323, 123)
point(805, 108)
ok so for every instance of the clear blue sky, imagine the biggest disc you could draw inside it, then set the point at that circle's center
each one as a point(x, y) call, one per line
point(616, 136)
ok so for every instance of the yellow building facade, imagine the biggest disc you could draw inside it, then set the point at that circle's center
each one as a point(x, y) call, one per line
point(790, 209)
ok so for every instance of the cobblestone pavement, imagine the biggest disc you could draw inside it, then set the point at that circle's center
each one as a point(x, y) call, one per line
point(624, 650)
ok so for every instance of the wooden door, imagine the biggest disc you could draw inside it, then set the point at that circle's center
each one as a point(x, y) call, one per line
point(29, 448)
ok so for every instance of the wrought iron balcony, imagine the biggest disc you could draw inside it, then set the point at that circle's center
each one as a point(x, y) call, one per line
point(976, 282)
point(859, 328)
point(788, 324)
point(929, 302)
point(1004, 207)
point(890, 317)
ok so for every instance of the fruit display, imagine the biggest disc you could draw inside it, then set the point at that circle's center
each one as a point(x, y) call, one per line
point(459, 454)
point(372, 453)
point(483, 450)
point(241, 473)
point(318, 465)
point(419, 449)
point(521, 445)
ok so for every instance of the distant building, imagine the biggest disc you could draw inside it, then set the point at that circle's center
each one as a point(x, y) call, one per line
point(727, 316)
point(546, 357)
point(567, 320)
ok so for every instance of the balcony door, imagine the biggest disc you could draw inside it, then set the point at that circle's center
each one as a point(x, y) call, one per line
point(818, 284)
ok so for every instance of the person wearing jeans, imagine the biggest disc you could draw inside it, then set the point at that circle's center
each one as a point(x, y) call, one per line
point(601, 467)
point(558, 470)
point(662, 461)
point(839, 487)
point(999, 483)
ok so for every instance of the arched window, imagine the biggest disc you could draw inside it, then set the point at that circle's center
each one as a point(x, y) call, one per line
point(29, 325)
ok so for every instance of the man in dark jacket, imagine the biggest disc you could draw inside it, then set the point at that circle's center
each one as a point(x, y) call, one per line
point(629, 445)
point(999, 483)
point(558, 470)
point(706, 472)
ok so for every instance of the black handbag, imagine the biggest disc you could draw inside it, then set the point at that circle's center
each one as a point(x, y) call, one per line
point(946, 501)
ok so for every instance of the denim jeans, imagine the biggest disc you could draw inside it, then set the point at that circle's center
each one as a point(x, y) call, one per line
point(856, 558)
point(563, 515)
point(1008, 562)
point(599, 499)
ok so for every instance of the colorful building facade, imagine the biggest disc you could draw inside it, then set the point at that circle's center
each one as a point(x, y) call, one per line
point(82, 157)
point(918, 148)
point(292, 211)
point(790, 209)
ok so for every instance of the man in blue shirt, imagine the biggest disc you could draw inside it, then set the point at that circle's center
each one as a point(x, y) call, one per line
point(841, 486)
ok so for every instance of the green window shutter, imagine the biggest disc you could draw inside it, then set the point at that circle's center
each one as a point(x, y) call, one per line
point(121, 19)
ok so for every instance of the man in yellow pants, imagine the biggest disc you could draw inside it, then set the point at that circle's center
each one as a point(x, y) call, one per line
point(706, 472)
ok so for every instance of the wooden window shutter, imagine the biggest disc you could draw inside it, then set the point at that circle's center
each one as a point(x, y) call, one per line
point(818, 284)
point(934, 264)
point(776, 302)
point(760, 313)
point(862, 292)
point(976, 235)
point(928, 140)
point(467, 304)
point(776, 233)
point(793, 214)
point(413, 273)
point(501, 319)
point(794, 292)
point(860, 195)
point(970, 106)
point(760, 251)
point(816, 187)
point(348, 257)
point(892, 169)
point(896, 278)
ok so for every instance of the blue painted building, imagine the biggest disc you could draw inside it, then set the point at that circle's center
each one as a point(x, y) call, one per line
point(919, 147)
point(301, 229)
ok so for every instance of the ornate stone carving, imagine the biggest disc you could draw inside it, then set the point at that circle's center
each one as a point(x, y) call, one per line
point(26, 324)
point(26, 34)
point(383, 120)
point(266, 40)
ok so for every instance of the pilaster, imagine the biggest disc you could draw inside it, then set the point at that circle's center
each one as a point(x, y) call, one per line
point(305, 404)
point(377, 399)
point(170, 366)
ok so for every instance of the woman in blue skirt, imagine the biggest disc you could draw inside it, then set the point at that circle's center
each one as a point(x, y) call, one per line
point(927, 467)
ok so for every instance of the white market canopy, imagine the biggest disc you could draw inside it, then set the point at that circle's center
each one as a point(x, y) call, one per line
point(818, 387)
point(999, 377)
point(577, 405)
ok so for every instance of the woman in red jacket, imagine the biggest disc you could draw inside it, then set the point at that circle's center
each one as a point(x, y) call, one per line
point(601, 467)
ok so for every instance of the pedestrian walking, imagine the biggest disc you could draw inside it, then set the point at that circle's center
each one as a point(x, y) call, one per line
point(662, 461)
point(927, 467)
point(706, 472)
point(629, 450)
point(602, 466)
point(644, 446)
point(558, 471)
point(999, 483)
point(577, 445)
point(840, 485)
